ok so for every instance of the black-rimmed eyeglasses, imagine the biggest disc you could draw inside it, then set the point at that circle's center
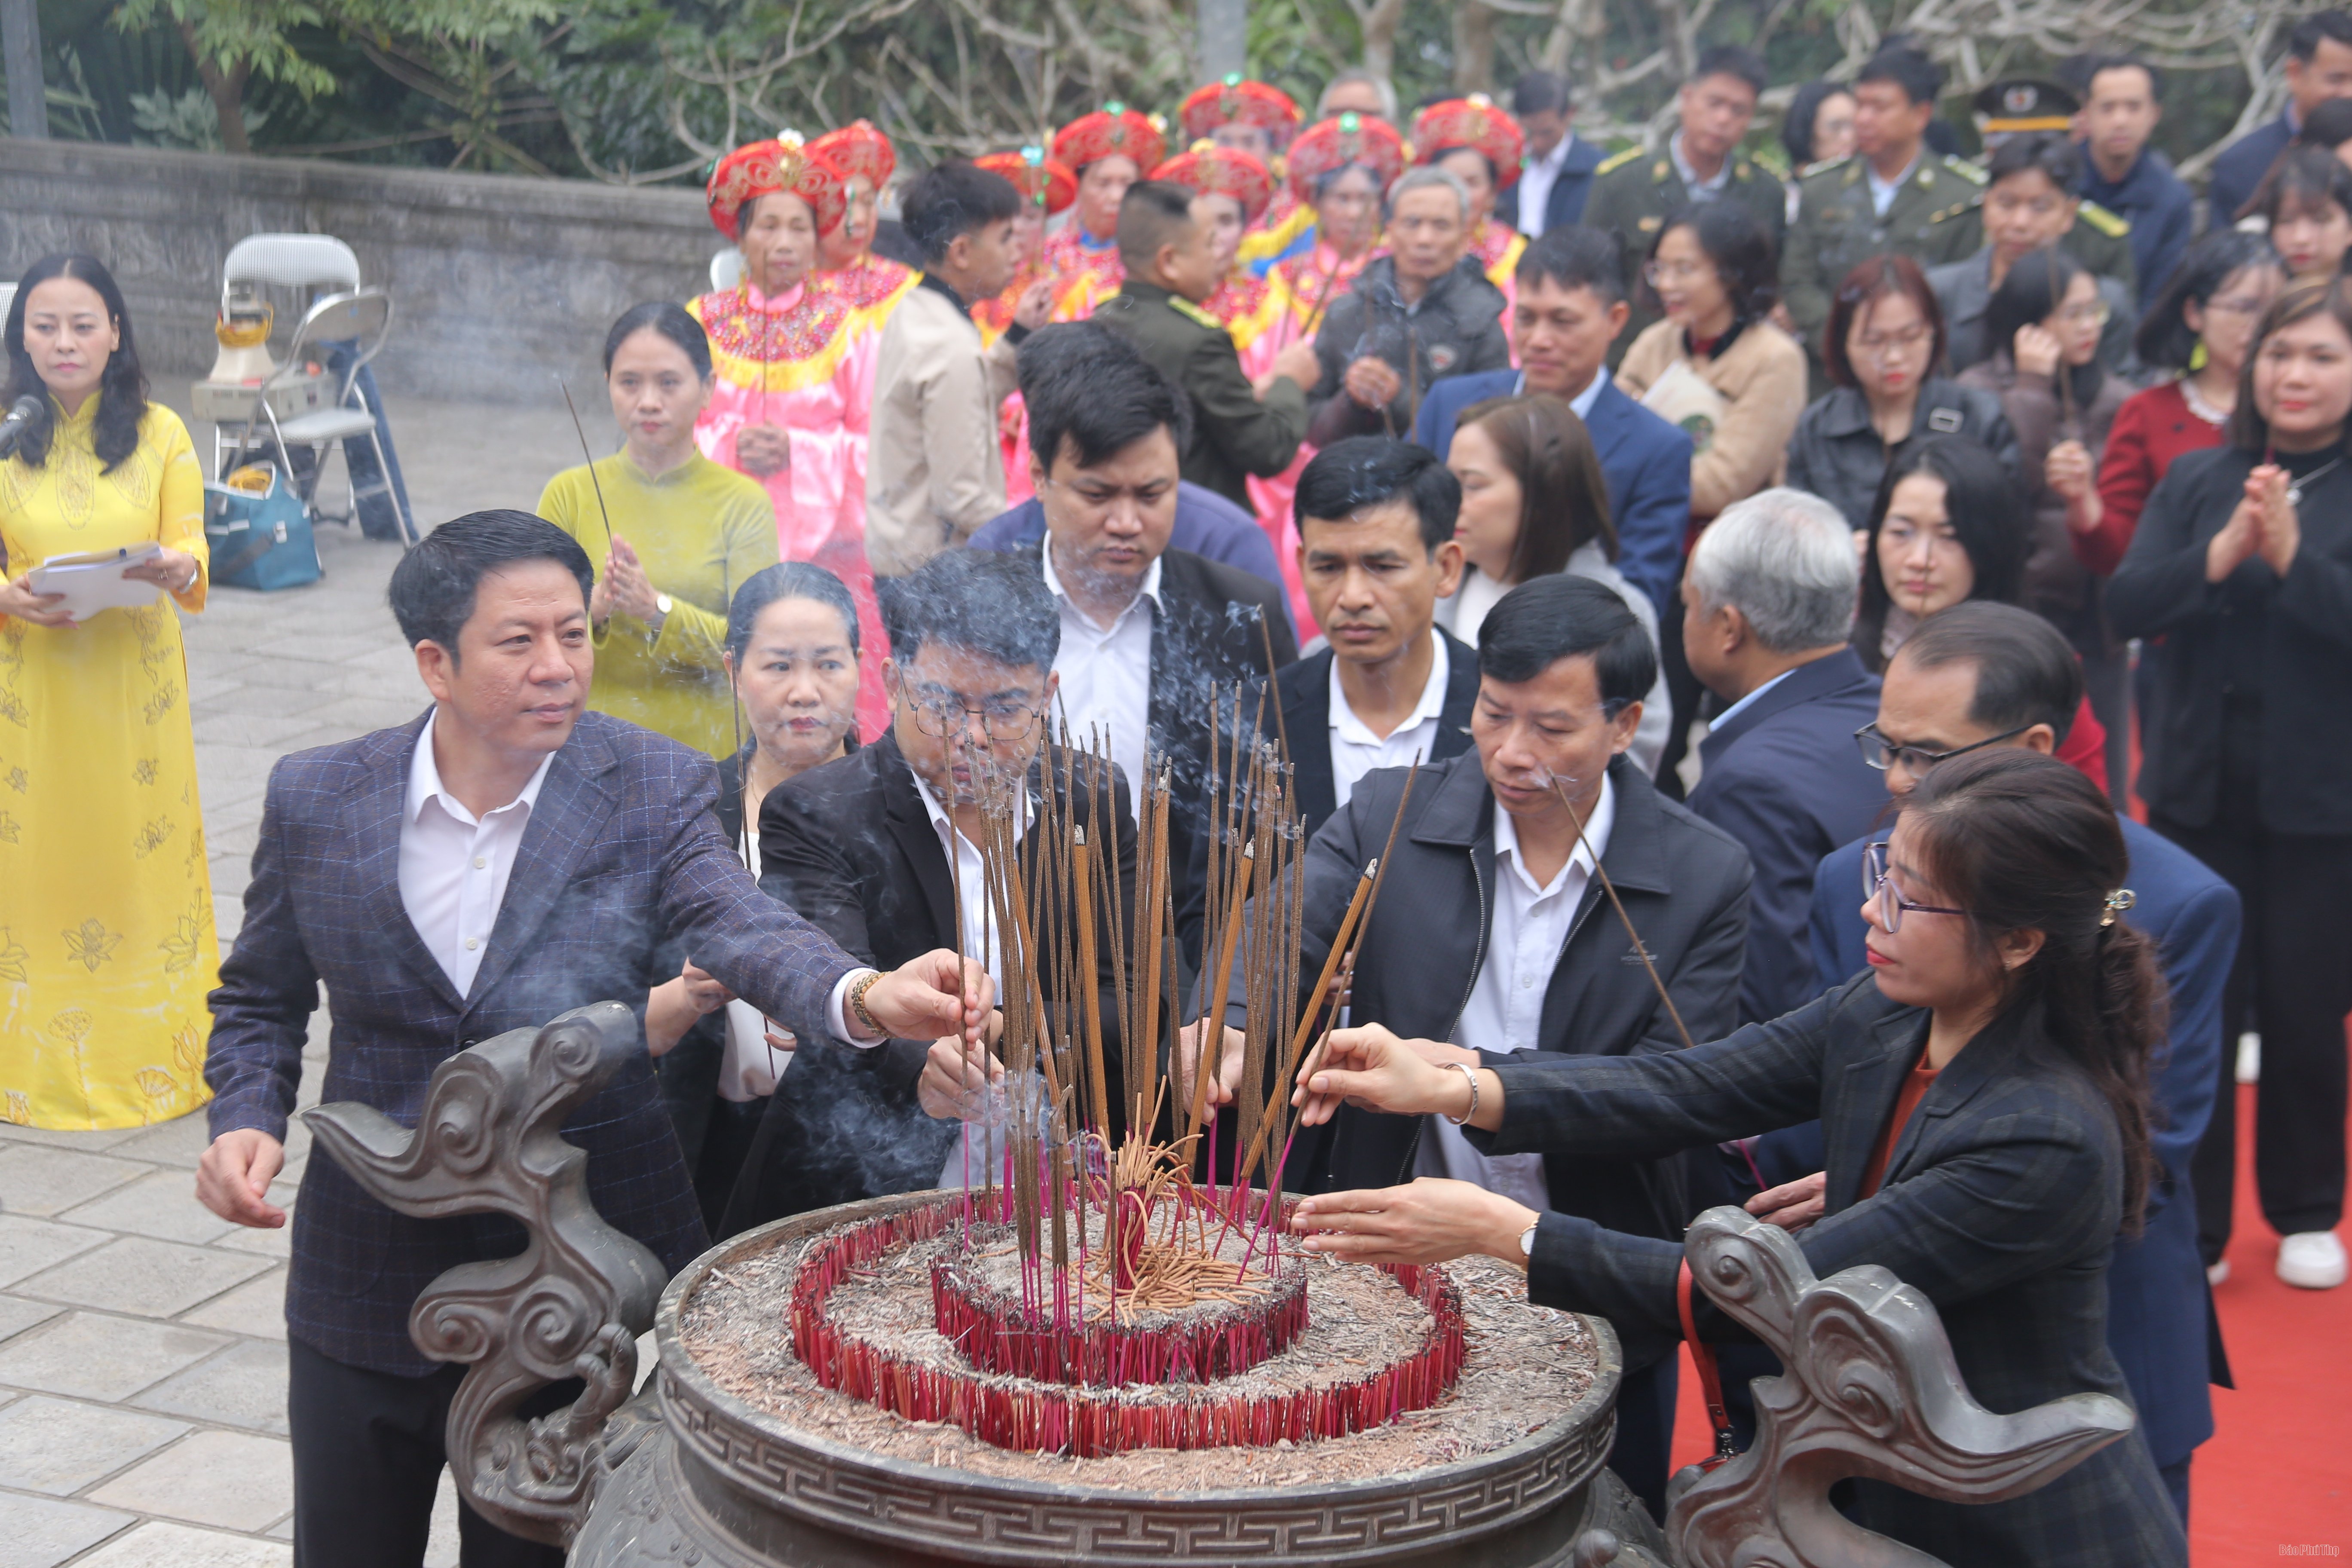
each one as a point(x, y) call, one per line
point(1883, 753)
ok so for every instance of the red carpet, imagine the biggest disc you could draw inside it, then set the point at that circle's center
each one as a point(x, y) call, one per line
point(2275, 1481)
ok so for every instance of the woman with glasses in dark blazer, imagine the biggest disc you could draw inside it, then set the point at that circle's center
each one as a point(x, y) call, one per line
point(1984, 1094)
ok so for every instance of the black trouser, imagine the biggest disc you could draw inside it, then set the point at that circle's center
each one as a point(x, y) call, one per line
point(368, 1458)
point(2295, 965)
point(1645, 1431)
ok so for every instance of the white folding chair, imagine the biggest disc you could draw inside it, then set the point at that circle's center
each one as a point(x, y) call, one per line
point(361, 317)
point(306, 262)
point(292, 261)
point(726, 270)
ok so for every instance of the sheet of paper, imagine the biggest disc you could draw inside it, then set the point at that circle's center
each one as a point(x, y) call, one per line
point(93, 580)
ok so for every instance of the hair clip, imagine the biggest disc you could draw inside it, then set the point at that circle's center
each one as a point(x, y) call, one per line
point(2118, 903)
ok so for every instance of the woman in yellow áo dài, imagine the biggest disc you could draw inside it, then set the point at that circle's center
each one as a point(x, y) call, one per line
point(106, 921)
point(793, 397)
point(686, 533)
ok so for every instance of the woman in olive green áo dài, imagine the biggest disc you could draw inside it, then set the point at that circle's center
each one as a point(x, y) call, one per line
point(106, 900)
point(686, 533)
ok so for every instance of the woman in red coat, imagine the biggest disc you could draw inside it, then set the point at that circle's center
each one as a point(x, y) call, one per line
point(2199, 328)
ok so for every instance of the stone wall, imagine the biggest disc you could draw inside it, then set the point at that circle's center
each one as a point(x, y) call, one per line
point(499, 282)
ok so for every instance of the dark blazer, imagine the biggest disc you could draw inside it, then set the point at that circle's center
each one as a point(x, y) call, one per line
point(1646, 462)
point(2288, 640)
point(1564, 207)
point(2238, 170)
point(621, 853)
point(1785, 778)
point(1304, 692)
point(2157, 1293)
point(1684, 885)
point(1206, 630)
point(1235, 433)
point(850, 846)
point(2001, 1207)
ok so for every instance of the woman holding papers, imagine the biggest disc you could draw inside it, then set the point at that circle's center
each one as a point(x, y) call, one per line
point(106, 933)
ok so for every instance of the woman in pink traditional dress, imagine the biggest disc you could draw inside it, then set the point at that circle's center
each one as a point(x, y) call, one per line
point(845, 262)
point(1049, 187)
point(1109, 149)
point(793, 376)
point(1254, 118)
point(1479, 145)
point(1339, 167)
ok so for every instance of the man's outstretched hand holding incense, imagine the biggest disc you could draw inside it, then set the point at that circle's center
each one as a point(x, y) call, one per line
point(934, 996)
point(960, 1081)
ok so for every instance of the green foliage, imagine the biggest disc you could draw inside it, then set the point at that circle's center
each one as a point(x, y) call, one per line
point(188, 121)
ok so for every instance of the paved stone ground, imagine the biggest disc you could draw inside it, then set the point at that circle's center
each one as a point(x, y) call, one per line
point(142, 1356)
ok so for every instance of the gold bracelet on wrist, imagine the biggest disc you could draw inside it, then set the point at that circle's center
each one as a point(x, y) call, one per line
point(858, 990)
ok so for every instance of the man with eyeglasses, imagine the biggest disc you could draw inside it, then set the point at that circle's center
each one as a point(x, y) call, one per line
point(880, 851)
point(1984, 674)
point(2032, 198)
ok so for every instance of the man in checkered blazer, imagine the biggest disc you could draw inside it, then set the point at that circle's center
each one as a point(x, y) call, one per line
point(499, 860)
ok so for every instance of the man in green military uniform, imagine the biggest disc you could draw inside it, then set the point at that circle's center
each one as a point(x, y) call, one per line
point(1166, 248)
point(1635, 191)
point(2017, 108)
point(2032, 201)
point(1893, 195)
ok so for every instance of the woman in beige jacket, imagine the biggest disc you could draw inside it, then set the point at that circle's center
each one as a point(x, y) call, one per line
point(1717, 365)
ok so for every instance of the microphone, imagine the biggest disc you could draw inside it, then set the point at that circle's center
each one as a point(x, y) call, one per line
point(12, 429)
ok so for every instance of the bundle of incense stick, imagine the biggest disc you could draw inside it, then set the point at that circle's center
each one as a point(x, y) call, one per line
point(1097, 1114)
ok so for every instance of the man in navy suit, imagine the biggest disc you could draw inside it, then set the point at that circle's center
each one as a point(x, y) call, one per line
point(1555, 168)
point(502, 860)
point(2318, 68)
point(1985, 674)
point(1570, 307)
point(1767, 600)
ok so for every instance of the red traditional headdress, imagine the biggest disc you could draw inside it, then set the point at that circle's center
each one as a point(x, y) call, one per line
point(1238, 99)
point(1049, 182)
point(1214, 171)
point(857, 148)
point(1472, 122)
point(1342, 140)
point(766, 168)
point(1112, 128)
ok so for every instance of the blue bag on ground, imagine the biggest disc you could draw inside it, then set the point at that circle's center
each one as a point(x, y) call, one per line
point(259, 533)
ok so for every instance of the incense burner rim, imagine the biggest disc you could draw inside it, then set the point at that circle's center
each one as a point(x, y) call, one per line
point(1530, 1469)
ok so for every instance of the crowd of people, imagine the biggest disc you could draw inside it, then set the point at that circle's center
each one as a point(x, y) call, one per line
point(1770, 545)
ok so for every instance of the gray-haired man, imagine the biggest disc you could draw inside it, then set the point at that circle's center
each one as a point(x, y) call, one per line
point(1768, 599)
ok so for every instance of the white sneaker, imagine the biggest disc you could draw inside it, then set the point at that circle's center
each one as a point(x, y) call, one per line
point(2218, 1272)
point(2312, 1260)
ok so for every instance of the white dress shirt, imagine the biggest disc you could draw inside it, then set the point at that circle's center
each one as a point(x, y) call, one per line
point(1504, 1012)
point(1356, 750)
point(1106, 674)
point(977, 919)
point(1699, 190)
point(1582, 403)
point(1537, 177)
point(1882, 192)
point(454, 866)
